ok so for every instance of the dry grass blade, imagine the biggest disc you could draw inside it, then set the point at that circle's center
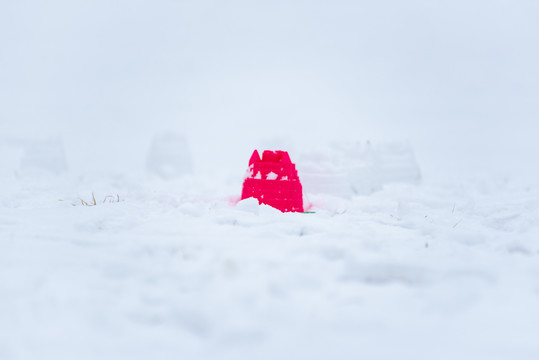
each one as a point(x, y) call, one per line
point(108, 199)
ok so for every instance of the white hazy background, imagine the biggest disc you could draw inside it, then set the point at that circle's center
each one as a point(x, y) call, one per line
point(458, 80)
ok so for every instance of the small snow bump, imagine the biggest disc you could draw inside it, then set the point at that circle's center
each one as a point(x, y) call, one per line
point(248, 205)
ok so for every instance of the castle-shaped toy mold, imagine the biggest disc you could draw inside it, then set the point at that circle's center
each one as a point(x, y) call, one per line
point(274, 181)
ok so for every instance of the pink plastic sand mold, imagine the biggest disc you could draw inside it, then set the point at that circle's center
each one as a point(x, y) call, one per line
point(274, 181)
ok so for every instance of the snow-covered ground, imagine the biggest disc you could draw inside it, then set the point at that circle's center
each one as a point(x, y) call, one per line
point(174, 268)
point(125, 132)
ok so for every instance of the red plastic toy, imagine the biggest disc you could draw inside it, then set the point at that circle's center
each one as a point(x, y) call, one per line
point(274, 181)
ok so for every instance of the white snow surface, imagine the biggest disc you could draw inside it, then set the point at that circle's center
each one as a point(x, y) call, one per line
point(179, 269)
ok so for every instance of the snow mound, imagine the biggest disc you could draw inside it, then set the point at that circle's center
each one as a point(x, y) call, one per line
point(351, 169)
point(169, 156)
point(31, 157)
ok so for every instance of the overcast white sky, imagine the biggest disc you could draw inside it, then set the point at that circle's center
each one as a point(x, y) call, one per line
point(458, 79)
